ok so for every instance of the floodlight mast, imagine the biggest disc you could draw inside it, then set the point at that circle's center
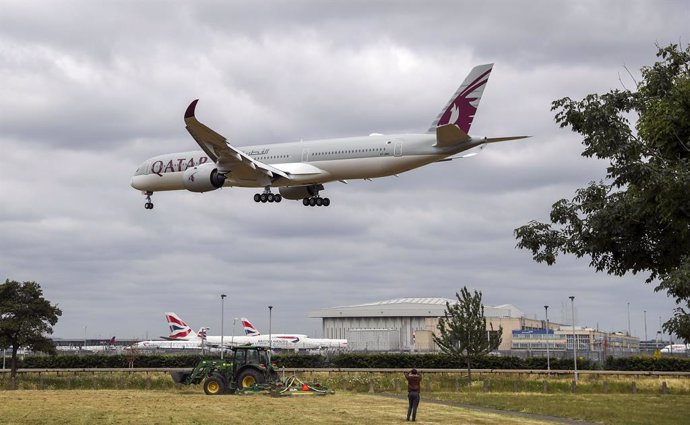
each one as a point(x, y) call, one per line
point(572, 303)
point(270, 335)
point(222, 321)
point(548, 360)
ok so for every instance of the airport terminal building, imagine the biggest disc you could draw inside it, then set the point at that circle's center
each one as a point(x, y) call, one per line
point(407, 324)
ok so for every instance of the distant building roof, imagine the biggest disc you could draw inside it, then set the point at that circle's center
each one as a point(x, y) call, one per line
point(408, 307)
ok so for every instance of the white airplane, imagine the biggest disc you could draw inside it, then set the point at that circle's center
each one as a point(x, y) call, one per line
point(297, 341)
point(181, 332)
point(169, 345)
point(675, 348)
point(105, 346)
point(300, 169)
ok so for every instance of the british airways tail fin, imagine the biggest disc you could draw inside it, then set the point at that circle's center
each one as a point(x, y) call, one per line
point(462, 106)
point(249, 329)
point(178, 329)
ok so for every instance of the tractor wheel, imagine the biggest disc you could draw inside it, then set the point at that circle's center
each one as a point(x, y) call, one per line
point(214, 385)
point(249, 377)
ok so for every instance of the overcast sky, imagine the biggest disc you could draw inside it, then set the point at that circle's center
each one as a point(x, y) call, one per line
point(89, 90)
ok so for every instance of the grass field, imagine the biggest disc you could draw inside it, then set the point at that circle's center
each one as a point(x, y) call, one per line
point(613, 409)
point(124, 397)
point(185, 407)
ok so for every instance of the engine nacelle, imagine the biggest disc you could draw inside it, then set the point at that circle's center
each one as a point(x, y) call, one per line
point(202, 178)
point(300, 192)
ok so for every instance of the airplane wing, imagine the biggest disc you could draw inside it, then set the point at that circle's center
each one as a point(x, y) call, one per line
point(227, 157)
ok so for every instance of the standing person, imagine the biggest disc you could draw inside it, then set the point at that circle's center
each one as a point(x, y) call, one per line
point(413, 380)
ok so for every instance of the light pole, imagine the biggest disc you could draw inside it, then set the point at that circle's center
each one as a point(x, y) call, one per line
point(548, 360)
point(572, 303)
point(222, 321)
point(628, 318)
point(232, 338)
point(657, 340)
point(270, 335)
point(645, 324)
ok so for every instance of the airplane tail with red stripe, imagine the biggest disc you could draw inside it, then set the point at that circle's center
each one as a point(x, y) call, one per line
point(179, 330)
point(249, 329)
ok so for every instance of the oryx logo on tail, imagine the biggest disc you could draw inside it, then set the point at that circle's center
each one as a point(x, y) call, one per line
point(463, 105)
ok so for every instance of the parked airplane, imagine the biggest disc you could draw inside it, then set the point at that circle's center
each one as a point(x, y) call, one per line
point(180, 331)
point(300, 169)
point(104, 346)
point(300, 341)
point(196, 344)
point(676, 348)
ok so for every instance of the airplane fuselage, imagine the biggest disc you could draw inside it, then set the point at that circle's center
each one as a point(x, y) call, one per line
point(312, 162)
point(300, 169)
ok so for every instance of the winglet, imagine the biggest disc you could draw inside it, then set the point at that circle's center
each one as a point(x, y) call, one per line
point(189, 113)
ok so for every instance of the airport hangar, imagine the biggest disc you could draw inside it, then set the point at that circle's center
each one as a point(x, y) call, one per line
point(407, 324)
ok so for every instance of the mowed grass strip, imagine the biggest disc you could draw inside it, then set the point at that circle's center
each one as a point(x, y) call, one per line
point(179, 407)
point(611, 409)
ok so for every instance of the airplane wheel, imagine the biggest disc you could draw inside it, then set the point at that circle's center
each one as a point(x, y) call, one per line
point(148, 205)
point(257, 197)
point(326, 202)
point(278, 198)
point(305, 202)
point(264, 197)
point(270, 197)
point(319, 202)
point(312, 202)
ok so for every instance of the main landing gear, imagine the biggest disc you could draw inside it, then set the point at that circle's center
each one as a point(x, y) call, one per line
point(267, 196)
point(148, 205)
point(316, 201)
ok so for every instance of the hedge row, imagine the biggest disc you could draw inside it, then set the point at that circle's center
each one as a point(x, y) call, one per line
point(427, 361)
point(663, 364)
point(346, 360)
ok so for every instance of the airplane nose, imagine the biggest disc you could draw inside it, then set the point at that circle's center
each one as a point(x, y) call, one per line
point(135, 183)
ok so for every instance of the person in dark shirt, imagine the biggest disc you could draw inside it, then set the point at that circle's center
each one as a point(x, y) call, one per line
point(413, 380)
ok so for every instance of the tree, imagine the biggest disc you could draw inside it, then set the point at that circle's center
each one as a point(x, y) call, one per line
point(636, 220)
point(462, 329)
point(25, 318)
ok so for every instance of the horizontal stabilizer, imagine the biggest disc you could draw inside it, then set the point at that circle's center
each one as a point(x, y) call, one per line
point(504, 139)
point(450, 135)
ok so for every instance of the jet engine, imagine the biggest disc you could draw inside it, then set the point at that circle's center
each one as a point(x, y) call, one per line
point(202, 178)
point(300, 192)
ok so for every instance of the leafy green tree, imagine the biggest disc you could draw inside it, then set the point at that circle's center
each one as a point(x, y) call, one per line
point(636, 220)
point(25, 318)
point(462, 329)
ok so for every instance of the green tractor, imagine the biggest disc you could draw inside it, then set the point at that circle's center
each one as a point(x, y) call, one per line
point(246, 367)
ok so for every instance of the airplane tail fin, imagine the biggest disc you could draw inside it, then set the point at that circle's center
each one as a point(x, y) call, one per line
point(249, 329)
point(179, 329)
point(462, 106)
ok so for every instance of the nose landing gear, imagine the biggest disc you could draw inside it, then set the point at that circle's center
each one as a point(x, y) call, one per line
point(148, 205)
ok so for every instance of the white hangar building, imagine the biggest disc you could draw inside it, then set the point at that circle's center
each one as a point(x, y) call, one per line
point(402, 324)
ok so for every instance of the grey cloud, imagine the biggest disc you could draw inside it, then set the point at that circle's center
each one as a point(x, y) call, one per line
point(90, 91)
